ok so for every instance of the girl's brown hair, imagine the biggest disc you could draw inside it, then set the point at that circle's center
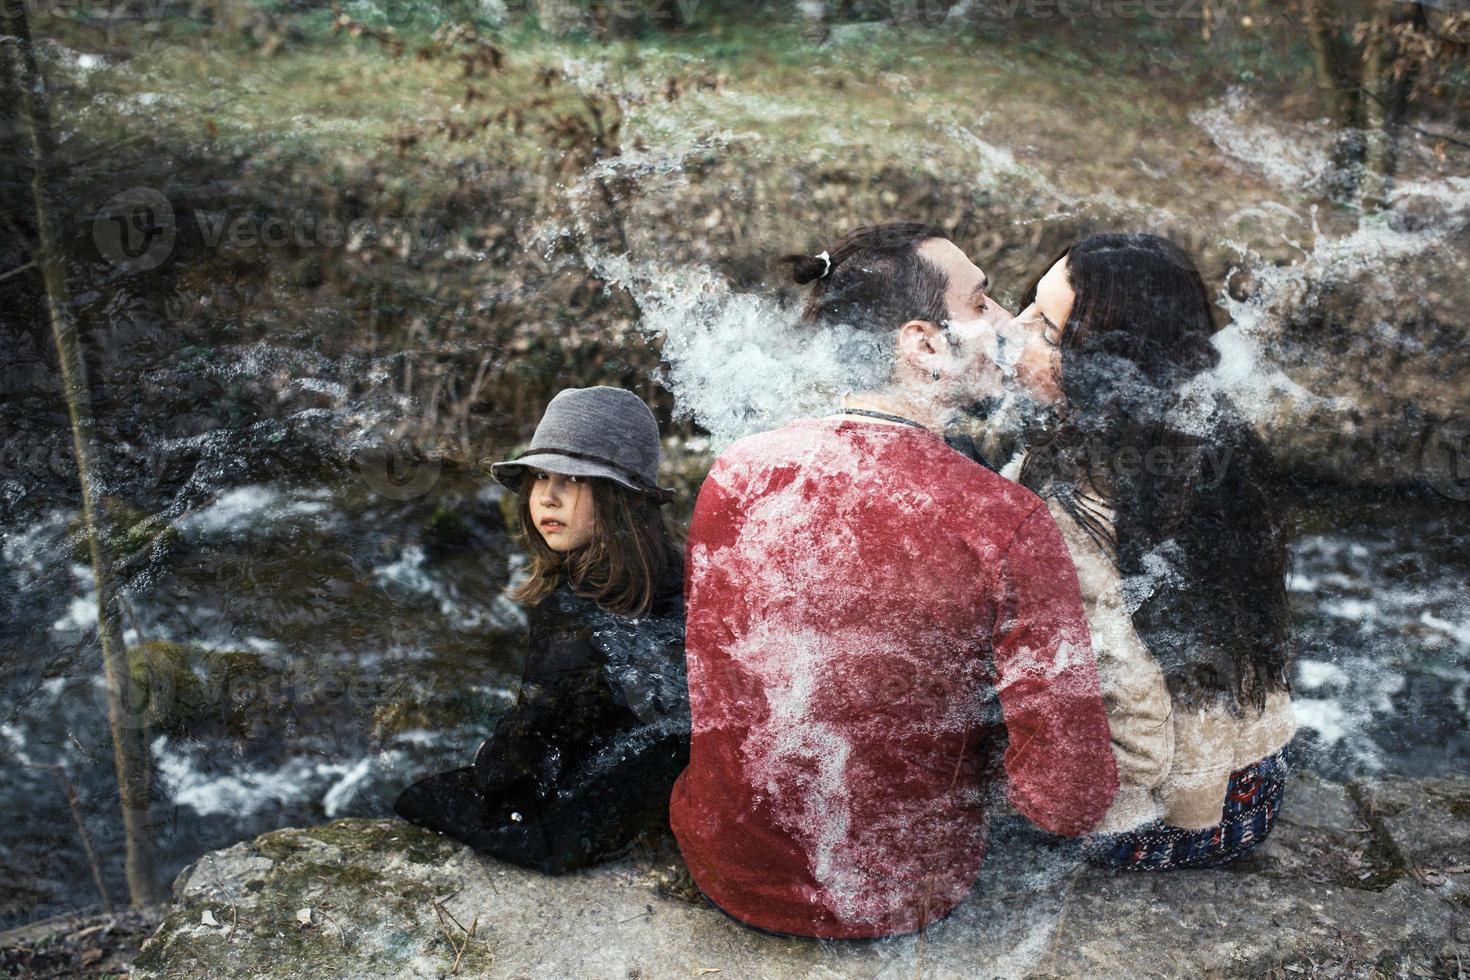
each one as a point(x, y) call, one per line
point(631, 558)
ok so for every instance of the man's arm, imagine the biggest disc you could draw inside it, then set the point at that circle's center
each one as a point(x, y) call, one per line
point(1059, 763)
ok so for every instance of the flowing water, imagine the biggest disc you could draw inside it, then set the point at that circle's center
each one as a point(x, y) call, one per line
point(343, 628)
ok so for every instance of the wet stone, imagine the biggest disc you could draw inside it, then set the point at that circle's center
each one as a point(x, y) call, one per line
point(1317, 804)
point(1428, 819)
point(1321, 836)
point(1427, 825)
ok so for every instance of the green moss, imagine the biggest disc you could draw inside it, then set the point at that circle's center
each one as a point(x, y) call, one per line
point(281, 845)
point(232, 690)
point(301, 878)
point(183, 686)
point(132, 530)
point(383, 837)
point(451, 690)
point(173, 951)
point(344, 875)
point(446, 532)
point(164, 680)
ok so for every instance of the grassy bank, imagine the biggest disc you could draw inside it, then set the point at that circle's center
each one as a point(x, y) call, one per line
point(482, 164)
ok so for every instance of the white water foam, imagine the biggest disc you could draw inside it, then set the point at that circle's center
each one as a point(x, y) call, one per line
point(242, 791)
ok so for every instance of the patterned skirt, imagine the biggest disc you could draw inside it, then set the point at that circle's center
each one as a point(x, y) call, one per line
point(1252, 801)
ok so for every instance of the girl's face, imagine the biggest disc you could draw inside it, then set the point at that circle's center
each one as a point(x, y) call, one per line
point(561, 509)
point(1037, 336)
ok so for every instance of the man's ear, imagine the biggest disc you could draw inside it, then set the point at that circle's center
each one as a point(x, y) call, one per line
point(919, 340)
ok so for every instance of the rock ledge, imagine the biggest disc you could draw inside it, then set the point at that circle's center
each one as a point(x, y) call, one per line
point(1368, 879)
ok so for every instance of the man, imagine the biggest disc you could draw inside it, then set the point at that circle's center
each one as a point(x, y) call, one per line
point(870, 615)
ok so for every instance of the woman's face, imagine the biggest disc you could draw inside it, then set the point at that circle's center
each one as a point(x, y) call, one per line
point(1036, 336)
point(561, 509)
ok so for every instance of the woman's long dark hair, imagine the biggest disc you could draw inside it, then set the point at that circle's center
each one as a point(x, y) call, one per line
point(1196, 519)
point(632, 558)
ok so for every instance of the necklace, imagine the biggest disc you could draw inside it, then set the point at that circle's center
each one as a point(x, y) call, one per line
point(882, 415)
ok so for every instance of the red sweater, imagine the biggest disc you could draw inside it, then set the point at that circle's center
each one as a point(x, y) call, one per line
point(859, 595)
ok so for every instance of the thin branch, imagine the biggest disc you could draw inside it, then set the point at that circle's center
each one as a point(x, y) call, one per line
point(75, 806)
point(341, 933)
point(18, 270)
point(446, 911)
point(1463, 144)
point(449, 938)
point(234, 909)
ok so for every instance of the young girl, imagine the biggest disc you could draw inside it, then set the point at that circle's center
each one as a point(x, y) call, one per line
point(587, 756)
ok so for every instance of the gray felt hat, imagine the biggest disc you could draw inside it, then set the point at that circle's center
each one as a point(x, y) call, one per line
point(604, 432)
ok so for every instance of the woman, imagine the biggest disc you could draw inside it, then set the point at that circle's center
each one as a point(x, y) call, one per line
point(1164, 495)
point(586, 758)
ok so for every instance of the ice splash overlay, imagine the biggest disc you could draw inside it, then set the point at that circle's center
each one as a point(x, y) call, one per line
point(1424, 217)
point(740, 363)
point(1294, 158)
point(843, 693)
point(1384, 260)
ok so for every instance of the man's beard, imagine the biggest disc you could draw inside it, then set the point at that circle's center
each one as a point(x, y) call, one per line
point(1003, 427)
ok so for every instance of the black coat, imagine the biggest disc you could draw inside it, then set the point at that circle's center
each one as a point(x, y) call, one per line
point(588, 755)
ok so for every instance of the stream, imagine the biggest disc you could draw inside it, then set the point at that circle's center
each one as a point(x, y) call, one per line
point(368, 643)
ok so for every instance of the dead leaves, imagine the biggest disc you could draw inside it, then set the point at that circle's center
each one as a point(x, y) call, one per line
point(387, 42)
point(306, 919)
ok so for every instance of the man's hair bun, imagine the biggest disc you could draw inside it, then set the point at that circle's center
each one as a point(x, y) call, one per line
point(893, 284)
point(808, 268)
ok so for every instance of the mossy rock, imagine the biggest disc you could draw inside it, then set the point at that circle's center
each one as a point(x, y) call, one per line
point(133, 530)
point(447, 532)
point(179, 687)
point(233, 689)
point(165, 686)
point(383, 899)
point(297, 903)
point(454, 693)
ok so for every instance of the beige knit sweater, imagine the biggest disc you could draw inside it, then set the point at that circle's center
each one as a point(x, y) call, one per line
point(1174, 762)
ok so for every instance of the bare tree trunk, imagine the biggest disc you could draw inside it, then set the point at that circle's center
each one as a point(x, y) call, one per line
point(816, 16)
point(1378, 150)
point(75, 806)
point(562, 17)
point(129, 746)
point(1384, 100)
point(1337, 76)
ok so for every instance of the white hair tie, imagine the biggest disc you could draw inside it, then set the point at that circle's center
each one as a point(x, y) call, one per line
point(827, 261)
